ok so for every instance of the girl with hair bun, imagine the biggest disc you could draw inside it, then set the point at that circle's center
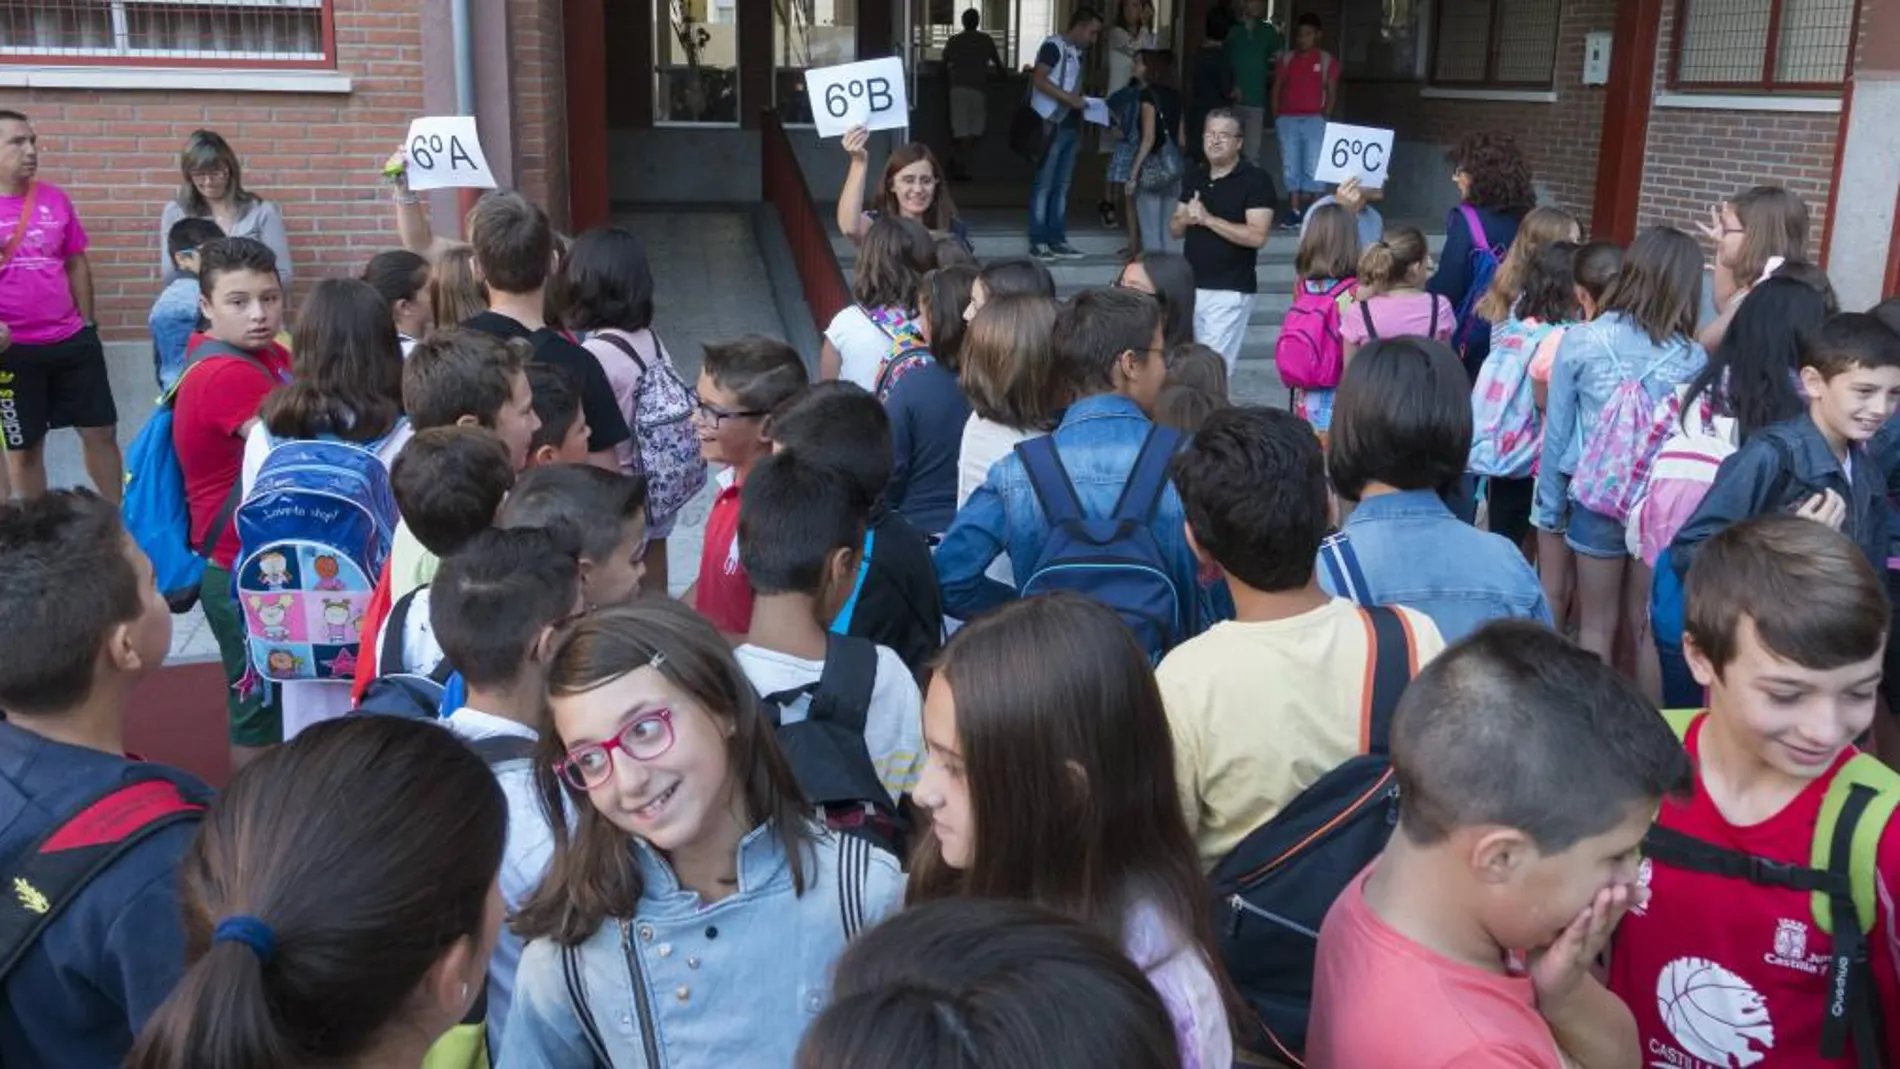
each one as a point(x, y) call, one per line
point(1392, 299)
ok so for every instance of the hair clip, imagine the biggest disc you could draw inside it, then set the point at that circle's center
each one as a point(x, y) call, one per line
point(657, 660)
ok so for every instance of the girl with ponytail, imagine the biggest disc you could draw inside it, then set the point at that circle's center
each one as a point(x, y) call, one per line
point(1392, 299)
point(339, 904)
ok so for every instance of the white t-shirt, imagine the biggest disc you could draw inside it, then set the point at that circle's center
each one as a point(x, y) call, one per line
point(421, 653)
point(985, 443)
point(893, 726)
point(862, 346)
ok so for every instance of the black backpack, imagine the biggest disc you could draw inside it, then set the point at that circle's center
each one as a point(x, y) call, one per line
point(827, 751)
point(37, 884)
point(1273, 891)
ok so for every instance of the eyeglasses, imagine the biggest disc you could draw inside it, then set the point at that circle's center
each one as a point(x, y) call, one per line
point(712, 415)
point(219, 171)
point(927, 181)
point(1216, 135)
point(645, 739)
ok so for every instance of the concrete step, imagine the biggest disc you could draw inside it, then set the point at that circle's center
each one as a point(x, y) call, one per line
point(993, 242)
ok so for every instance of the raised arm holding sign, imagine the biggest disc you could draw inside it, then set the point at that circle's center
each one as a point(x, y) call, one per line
point(444, 152)
point(1362, 152)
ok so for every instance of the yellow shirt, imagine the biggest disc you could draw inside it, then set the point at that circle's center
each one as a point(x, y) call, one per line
point(410, 565)
point(1260, 711)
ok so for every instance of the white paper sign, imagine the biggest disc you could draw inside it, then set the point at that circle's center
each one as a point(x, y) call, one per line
point(1095, 110)
point(868, 94)
point(1362, 152)
point(445, 153)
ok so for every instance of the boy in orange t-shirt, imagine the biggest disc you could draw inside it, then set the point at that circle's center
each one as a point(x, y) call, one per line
point(1529, 772)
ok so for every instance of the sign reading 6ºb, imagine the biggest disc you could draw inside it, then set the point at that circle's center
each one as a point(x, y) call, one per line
point(868, 94)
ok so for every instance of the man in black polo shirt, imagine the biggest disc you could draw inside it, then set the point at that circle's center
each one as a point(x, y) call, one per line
point(514, 247)
point(1225, 214)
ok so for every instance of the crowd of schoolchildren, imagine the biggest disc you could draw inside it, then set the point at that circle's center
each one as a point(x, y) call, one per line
point(1032, 705)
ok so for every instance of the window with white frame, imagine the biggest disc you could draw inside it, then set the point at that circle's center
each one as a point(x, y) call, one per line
point(1495, 44)
point(1762, 44)
point(212, 33)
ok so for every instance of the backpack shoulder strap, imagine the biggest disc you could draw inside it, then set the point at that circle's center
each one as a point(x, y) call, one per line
point(390, 659)
point(498, 750)
point(624, 346)
point(849, 679)
point(1342, 564)
point(854, 871)
point(1050, 480)
point(1479, 242)
point(1430, 331)
point(1391, 662)
point(1681, 720)
point(1149, 478)
point(38, 884)
point(1365, 316)
point(1859, 805)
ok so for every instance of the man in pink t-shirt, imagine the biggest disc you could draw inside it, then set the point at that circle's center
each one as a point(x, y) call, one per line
point(52, 367)
point(1529, 773)
point(1305, 88)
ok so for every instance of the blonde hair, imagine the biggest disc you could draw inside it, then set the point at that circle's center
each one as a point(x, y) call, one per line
point(1540, 228)
point(454, 292)
point(1387, 263)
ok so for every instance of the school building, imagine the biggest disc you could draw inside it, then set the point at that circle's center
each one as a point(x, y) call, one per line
point(1633, 111)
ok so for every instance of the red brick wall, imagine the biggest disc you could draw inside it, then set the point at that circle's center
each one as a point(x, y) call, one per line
point(540, 104)
point(317, 155)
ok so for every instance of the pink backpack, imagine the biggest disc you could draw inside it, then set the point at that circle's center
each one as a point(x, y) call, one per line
point(1311, 353)
point(1699, 441)
point(1505, 422)
point(1630, 429)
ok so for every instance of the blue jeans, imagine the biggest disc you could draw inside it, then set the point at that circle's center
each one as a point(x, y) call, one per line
point(1300, 137)
point(1049, 196)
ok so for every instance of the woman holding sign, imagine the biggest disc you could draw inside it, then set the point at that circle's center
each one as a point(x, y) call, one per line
point(214, 189)
point(912, 188)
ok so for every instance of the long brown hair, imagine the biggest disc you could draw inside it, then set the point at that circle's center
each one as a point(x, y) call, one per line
point(1660, 286)
point(1070, 765)
point(455, 292)
point(594, 876)
point(1329, 249)
point(367, 847)
point(942, 212)
point(1541, 228)
point(1774, 223)
point(348, 367)
point(1009, 363)
point(892, 261)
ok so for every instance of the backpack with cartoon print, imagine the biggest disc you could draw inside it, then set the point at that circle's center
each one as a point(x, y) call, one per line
point(314, 532)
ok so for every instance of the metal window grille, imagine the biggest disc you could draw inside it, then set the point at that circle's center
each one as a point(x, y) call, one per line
point(214, 33)
point(1763, 44)
point(1495, 43)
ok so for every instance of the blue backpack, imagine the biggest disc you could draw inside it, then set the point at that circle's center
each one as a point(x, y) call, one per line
point(316, 529)
point(156, 511)
point(1114, 559)
point(1485, 258)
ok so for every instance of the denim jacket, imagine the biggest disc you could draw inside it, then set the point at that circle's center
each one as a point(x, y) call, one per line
point(1594, 359)
point(1415, 553)
point(1098, 441)
point(173, 318)
point(727, 984)
point(1777, 470)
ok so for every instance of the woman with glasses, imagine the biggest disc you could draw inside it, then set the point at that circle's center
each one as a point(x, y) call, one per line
point(214, 189)
point(694, 903)
point(912, 188)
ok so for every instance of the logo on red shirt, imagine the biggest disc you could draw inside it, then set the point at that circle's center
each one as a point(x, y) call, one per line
point(1715, 1017)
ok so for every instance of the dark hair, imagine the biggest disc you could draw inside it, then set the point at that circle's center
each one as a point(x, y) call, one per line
point(1402, 417)
point(66, 580)
point(1811, 595)
point(761, 372)
point(1014, 275)
point(892, 260)
point(1069, 762)
point(1660, 285)
point(1253, 484)
point(971, 18)
point(514, 244)
point(203, 151)
point(399, 830)
point(1748, 376)
point(1888, 312)
point(557, 404)
point(1813, 277)
point(840, 425)
point(1847, 341)
point(458, 372)
point(1385, 263)
point(1598, 264)
point(397, 275)
point(1158, 63)
point(1541, 226)
point(1186, 408)
point(968, 982)
point(1586, 750)
point(945, 294)
point(596, 504)
point(190, 233)
point(1218, 23)
point(1083, 14)
point(492, 598)
point(1009, 368)
point(1329, 245)
point(793, 515)
point(1095, 328)
point(9, 115)
point(951, 253)
point(593, 874)
point(224, 256)
point(449, 481)
point(1173, 280)
point(1500, 175)
point(609, 282)
point(1550, 287)
point(347, 367)
point(942, 213)
point(1308, 18)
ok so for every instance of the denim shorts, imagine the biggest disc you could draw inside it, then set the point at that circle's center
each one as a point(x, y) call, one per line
point(1595, 535)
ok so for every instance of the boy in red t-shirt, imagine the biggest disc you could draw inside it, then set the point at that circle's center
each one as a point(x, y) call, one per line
point(230, 369)
point(1529, 772)
point(740, 383)
point(1305, 88)
point(1785, 624)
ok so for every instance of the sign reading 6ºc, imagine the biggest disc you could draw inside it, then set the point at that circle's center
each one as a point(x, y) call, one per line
point(1362, 152)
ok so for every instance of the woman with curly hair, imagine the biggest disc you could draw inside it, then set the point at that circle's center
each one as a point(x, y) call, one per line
point(1495, 190)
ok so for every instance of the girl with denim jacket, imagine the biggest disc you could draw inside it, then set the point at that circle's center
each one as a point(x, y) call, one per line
point(694, 909)
point(1050, 779)
point(1645, 334)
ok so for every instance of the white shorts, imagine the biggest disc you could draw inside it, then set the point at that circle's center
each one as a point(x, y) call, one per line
point(969, 111)
point(1220, 322)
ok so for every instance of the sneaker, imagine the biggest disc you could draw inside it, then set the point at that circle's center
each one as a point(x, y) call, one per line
point(1291, 221)
point(1065, 251)
point(1041, 252)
